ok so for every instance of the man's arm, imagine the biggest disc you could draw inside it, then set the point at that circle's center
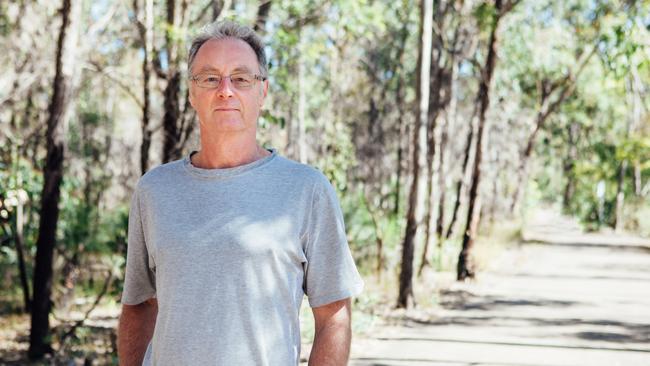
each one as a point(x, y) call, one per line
point(135, 330)
point(333, 334)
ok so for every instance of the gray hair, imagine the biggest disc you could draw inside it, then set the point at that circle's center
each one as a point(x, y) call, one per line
point(228, 29)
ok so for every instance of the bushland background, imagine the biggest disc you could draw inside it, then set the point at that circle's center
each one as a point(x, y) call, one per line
point(443, 125)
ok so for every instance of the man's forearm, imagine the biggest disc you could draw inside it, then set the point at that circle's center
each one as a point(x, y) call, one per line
point(135, 330)
point(331, 346)
point(333, 334)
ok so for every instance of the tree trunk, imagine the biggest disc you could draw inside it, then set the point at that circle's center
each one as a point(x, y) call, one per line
point(430, 155)
point(638, 184)
point(217, 8)
point(569, 165)
point(262, 14)
point(398, 168)
point(465, 174)
point(146, 36)
point(419, 155)
point(491, 210)
point(173, 124)
point(290, 135)
point(18, 233)
point(620, 196)
point(636, 97)
point(438, 103)
point(465, 267)
point(635, 102)
point(441, 183)
point(59, 110)
point(302, 105)
point(20, 251)
point(402, 129)
point(450, 119)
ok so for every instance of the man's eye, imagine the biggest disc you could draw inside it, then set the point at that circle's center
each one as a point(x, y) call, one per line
point(240, 79)
point(211, 79)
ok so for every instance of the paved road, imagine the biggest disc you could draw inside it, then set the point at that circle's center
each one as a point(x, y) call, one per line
point(538, 304)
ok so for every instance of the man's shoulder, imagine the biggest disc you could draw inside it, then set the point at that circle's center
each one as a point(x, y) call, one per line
point(164, 173)
point(301, 171)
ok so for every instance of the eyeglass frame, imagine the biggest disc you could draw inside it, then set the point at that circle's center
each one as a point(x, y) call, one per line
point(194, 78)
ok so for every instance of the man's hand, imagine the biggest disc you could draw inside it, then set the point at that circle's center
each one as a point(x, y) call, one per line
point(333, 334)
point(135, 330)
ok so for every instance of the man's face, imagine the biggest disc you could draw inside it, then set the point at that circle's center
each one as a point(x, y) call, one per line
point(227, 108)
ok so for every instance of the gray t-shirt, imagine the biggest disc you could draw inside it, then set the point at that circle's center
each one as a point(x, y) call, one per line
point(229, 254)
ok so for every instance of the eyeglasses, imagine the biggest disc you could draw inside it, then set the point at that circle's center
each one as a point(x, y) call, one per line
point(240, 81)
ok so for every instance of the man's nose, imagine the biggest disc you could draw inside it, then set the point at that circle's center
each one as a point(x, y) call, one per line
point(224, 90)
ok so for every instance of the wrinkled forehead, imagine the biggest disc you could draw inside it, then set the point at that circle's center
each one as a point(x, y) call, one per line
point(225, 56)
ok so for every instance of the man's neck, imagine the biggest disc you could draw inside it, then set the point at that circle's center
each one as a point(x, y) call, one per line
point(227, 153)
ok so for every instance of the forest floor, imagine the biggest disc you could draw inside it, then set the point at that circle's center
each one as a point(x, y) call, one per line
point(560, 297)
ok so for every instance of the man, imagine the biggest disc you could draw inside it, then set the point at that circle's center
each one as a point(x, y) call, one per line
point(224, 243)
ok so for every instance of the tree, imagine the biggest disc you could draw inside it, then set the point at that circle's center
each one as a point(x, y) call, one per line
point(552, 95)
point(145, 31)
point(59, 112)
point(262, 15)
point(178, 121)
point(449, 34)
point(465, 267)
point(419, 153)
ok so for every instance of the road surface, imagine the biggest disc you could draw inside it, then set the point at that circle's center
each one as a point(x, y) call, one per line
point(547, 302)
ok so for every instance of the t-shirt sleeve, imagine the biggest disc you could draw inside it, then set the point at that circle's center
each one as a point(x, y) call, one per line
point(140, 279)
point(330, 272)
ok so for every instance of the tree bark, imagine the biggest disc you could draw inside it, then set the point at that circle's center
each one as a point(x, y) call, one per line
point(262, 14)
point(634, 101)
point(440, 85)
point(217, 8)
point(638, 184)
point(145, 28)
point(59, 109)
point(440, 222)
point(17, 232)
point(400, 149)
point(465, 175)
point(465, 172)
point(419, 155)
point(620, 196)
point(172, 89)
point(465, 268)
point(450, 119)
point(402, 128)
point(569, 165)
point(20, 251)
point(302, 105)
point(173, 124)
point(435, 107)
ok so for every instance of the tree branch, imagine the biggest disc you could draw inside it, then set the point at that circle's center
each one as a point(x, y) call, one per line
point(95, 67)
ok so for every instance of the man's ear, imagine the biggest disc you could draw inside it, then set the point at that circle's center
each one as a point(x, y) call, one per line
point(191, 96)
point(264, 90)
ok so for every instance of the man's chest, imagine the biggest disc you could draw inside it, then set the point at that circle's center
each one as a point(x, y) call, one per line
point(216, 230)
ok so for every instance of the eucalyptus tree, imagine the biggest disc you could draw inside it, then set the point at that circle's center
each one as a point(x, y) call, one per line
point(494, 14)
point(59, 112)
point(414, 213)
